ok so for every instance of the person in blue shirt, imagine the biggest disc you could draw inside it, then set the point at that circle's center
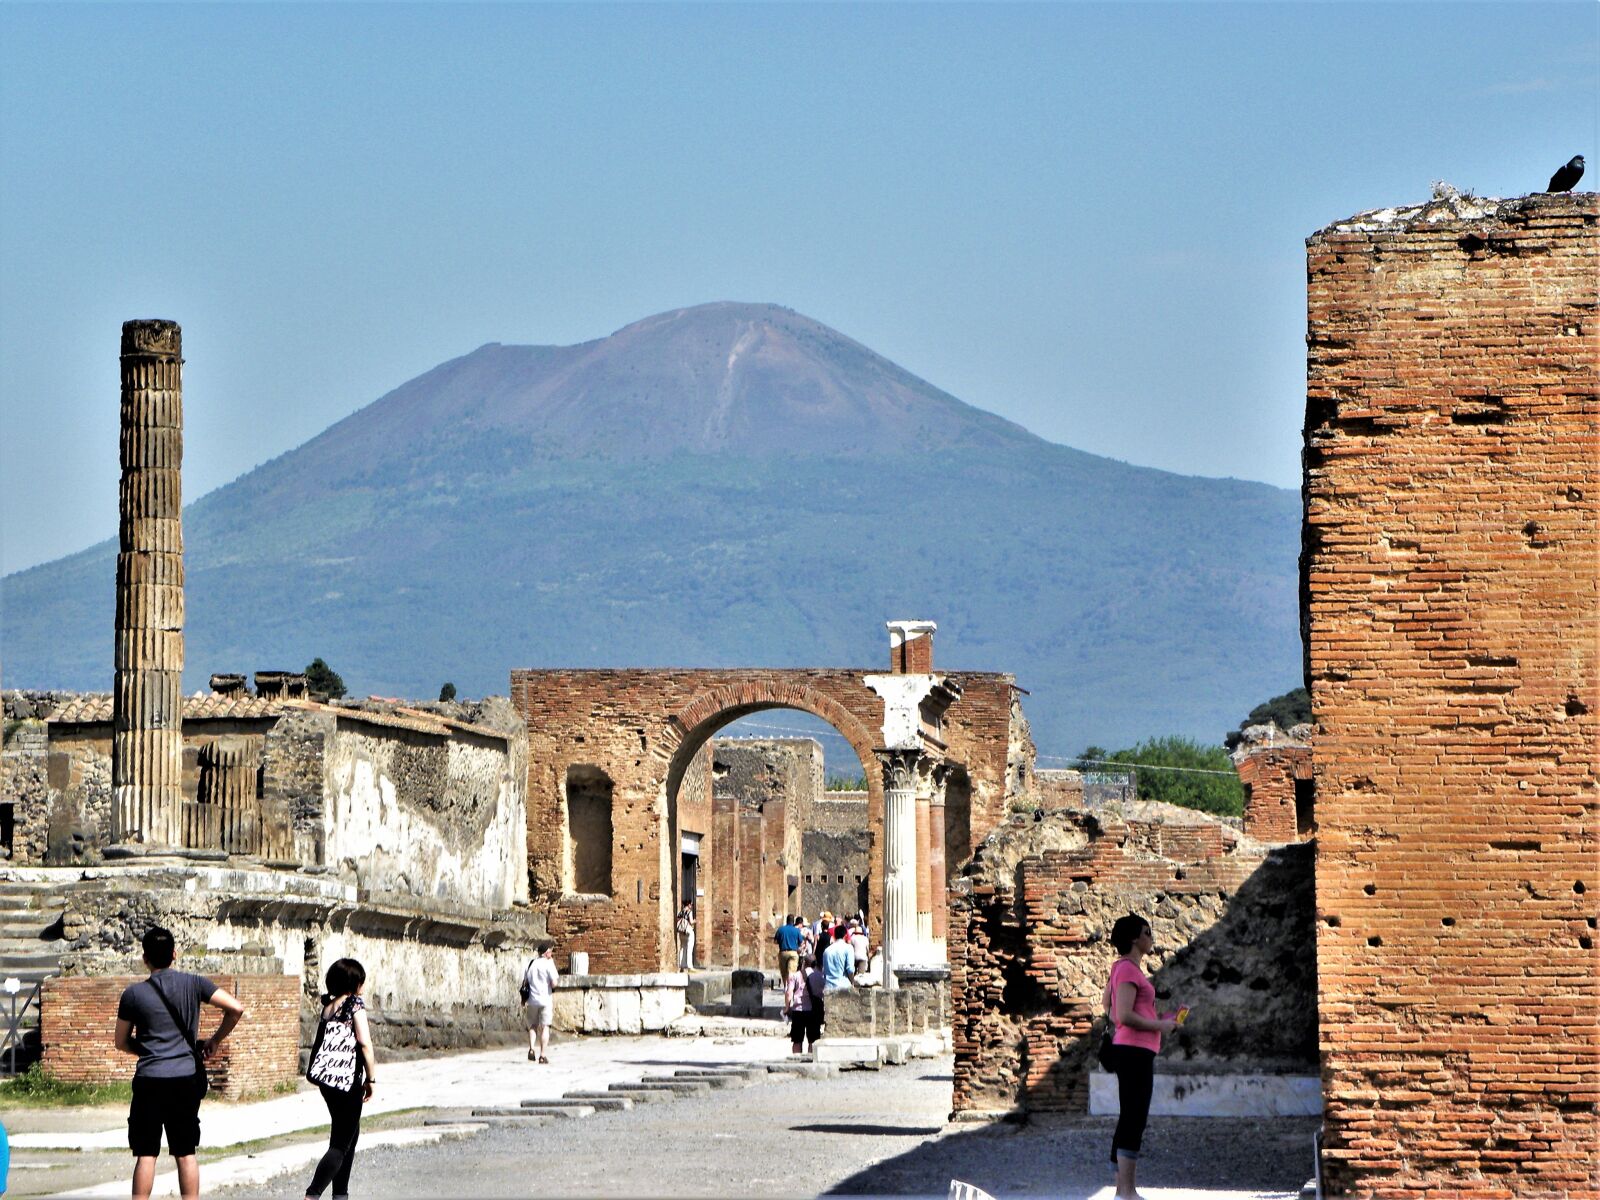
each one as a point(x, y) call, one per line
point(789, 938)
point(838, 965)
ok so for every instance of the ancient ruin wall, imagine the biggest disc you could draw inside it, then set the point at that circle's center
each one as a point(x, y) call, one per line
point(1030, 953)
point(147, 690)
point(434, 814)
point(1452, 594)
point(633, 724)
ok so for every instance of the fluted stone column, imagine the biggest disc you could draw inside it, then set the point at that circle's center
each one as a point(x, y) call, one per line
point(147, 696)
point(937, 883)
point(899, 860)
point(924, 890)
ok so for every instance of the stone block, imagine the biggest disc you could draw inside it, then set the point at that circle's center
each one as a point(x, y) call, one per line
point(612, 1010)
point(568, 1010)
point(660, 1006)
point(749, 993)
point(851, 1013)
point(854, 1052)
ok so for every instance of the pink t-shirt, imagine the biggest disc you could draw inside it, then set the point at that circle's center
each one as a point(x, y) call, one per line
point(1144, 1004)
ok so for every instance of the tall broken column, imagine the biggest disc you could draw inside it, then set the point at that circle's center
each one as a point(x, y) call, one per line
point(147, 695)
point(1451, 578)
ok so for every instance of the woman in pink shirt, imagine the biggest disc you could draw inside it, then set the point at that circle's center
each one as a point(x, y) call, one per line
point(1131, 1001)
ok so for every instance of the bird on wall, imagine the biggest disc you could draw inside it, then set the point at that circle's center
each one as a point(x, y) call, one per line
point(1564, 179)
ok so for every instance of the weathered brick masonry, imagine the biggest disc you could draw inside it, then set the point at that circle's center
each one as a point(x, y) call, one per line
point(1452, 594)
point(643, 728)
point(1030, 952)
point(79, 1017)
point(1274, 777)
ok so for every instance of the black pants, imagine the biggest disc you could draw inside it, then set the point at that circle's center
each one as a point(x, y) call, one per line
point(805, 1026)
point(1136, 1069)
point(344, 1109)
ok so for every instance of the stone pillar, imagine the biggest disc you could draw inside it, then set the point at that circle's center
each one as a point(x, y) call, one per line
point(938, 885)
point(899, 865)
point(924, 883)
point(147, 695)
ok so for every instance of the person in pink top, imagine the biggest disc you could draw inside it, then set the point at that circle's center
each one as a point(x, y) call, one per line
point(1131, 1000)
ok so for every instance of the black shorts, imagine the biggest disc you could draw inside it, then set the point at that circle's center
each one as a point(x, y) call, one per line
point(170, 1104)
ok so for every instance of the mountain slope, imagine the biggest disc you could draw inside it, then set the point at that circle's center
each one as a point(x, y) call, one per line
point(730, 484)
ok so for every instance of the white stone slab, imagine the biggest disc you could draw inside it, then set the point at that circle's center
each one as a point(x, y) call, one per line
point(858, 1051)
point(611, 1011)
point(1216, 1095)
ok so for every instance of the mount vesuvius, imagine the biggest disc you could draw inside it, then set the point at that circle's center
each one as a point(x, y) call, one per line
point(731, 484)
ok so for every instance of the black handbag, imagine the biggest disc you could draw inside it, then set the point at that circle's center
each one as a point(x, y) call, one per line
point(204, 1084)
point(1108, 1051)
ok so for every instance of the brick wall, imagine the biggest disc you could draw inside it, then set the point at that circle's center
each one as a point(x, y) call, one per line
point(78, 1017)
point(643, 727)
point(1030, 954)
point(1270, 775)
point(1452, 594)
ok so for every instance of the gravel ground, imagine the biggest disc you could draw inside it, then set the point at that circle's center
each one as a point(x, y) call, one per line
point(861, 1133)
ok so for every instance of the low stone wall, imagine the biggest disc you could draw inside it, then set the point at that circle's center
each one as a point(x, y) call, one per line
point(438, 976)
point(78, 1017)
point(878, 1013)
point(1030, 953)
point(619, 1003)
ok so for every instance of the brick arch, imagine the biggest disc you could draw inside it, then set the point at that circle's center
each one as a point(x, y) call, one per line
point(689, 729)
point(720, 706)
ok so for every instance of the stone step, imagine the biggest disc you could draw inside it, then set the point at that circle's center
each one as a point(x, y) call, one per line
point(12, 926)
point(469, 1122)
point(609, 1102)
point(686, 1087)
point(10, 964)
point(751, 1071)
point(637, 1095)
point(717, 1083)
point(805, 1070)
point(32, 975)
point(570, 1112)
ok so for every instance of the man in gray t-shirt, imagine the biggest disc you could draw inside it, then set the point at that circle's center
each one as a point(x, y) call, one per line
point(168, 1081)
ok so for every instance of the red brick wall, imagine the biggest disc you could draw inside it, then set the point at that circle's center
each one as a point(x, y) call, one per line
point(1269, 774)
point(1452, 579)
point(78, 1018)
point(1028, 967)
point(642, 727)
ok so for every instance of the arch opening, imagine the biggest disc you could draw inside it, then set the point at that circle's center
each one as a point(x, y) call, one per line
point(756, 833)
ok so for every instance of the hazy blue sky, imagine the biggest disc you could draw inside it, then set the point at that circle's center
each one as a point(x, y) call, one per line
point(1087, 218)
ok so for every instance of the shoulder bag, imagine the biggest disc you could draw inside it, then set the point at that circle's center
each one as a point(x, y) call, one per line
point(203, 1083)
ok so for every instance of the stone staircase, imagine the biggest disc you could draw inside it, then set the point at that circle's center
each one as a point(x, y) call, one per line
point(31, 946)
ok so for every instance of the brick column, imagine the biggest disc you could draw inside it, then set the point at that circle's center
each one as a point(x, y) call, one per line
point(1451, 581)
point(147, 688)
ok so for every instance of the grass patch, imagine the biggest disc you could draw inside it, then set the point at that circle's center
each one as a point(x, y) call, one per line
point(35, 1089)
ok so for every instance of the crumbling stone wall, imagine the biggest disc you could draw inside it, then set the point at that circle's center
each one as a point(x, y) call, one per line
point(1451, 580)
point(1030, 952)
point(438, 974)
point(834, 855)
point(1275, 769)
point(425, 808)
point(25, 786)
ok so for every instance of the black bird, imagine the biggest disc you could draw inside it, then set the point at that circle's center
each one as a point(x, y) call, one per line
point(1564, 179)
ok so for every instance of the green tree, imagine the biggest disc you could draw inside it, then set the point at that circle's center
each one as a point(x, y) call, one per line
point(447, 692)
point(1179, 770)
point(323, 680)
point(1285, 711)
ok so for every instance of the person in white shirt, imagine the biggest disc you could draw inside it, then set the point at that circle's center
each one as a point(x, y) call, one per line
point(538, 999)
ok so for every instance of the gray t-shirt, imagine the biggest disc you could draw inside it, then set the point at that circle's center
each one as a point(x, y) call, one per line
point(163, 1052)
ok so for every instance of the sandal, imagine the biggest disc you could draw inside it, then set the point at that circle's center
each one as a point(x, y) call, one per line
point(544, 1060)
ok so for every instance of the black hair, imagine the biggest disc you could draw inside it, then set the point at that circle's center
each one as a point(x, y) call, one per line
point(1126, 932)
point(344, 977)
point(159, 948)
